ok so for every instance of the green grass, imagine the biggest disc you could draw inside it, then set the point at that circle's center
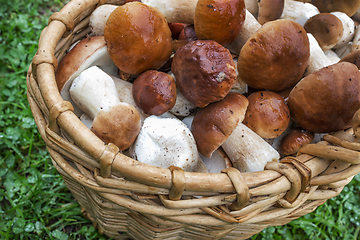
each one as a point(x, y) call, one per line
point(34, 201)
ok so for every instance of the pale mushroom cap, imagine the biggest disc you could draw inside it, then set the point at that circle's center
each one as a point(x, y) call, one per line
point(99, 17)
point(213, 124)
point(138, 38)
point(219, 20)
point(165, 142)
point(275, 57)
point(267, 114)
point(326, 28)
point(326, 100)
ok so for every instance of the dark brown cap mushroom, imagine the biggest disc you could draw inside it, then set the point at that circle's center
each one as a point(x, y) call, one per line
point(267, 114)
point(154, 92)
point(275, 57)
point(326, 100)
point(219, 20)
point(326, 28)
point(138, 38)
point(213, 124)
point(204, 71)
point(294, 140)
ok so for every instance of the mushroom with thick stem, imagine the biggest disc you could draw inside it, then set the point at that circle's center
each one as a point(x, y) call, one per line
point(326, 28)
point(165, 142)
point(348, 29)
point(275, 57)
point(90, 51)
point(138, 38)
point(353, 57)
point(94, 92)
point(299, 12)
point(204, 71)
point(219, 124)
point(326, 100)
point(267, 114)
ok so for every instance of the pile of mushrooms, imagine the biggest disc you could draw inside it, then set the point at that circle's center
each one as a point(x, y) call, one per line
point(208, 84)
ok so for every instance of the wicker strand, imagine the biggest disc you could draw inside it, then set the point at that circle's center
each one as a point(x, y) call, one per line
point(242, 190)
point(178, 183)
point(107, 159)
point(65, 19)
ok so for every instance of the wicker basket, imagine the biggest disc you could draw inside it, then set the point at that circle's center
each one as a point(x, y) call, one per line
point(140, 202)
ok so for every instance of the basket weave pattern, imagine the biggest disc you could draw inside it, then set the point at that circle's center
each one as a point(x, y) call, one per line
point(128, 199)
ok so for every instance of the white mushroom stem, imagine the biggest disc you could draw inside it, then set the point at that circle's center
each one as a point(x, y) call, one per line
point(99, 17)
point(348, 29)
point(248, 151)
point(175, 11)
point(330, 54)
point(94, 91)
point(299, 12)
point(317, 59)
point(165, 142)
point(356, 40)
point(344, 50)
point(251, 25)
point(215, 163)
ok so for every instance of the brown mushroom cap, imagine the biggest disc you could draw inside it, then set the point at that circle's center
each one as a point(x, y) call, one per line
point(275, 57)
point(353, 57)
point(267, 114)
point(154, 92)
point(294, 140)
point(326, 28)
point(347, 6)
point(270, 10)
point(138, 38)
point(326, 100)
point(219, 20)
point(213, 124)
point(73, 60)
point(204, 71)
point(120, 125)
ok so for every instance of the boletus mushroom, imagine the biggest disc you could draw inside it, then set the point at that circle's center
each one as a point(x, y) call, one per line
point(220, 124)
point(204, 71)
point(275, 57)
point(138, 38)
point(94, 92)
point(326, 100)
point(267, 114)
point(219, 20)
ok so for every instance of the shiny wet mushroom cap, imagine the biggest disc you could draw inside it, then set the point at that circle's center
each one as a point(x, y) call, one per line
point(138, 38)
point(219, 20)
point(154, 92)
point(204, 71)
